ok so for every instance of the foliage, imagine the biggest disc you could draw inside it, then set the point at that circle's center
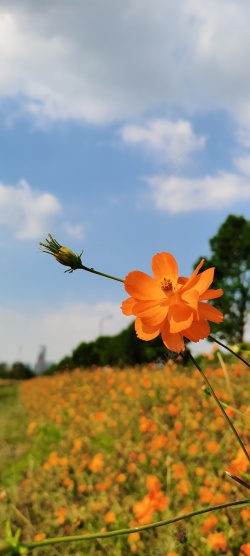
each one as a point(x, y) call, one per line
point(12, 436)
point(230, 254)
point(3, 370)
point(18, 371)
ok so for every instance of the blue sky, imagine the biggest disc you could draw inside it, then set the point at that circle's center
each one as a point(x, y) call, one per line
point(124, 131)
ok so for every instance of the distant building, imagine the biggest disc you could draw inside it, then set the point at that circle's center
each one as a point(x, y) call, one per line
point(41, 365)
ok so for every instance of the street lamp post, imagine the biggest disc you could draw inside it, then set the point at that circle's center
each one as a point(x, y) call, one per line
point(102, 322)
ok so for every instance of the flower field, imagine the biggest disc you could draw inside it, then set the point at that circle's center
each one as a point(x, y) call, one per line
point(111, 449)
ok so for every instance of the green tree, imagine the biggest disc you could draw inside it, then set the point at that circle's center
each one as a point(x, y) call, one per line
point(20, 371)
point(3, 370)
point(230, 255)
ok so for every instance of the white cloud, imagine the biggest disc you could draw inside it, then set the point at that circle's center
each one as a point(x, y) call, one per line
point(243, 164)
point(74, 230)
point(178, 195)
point(25, 211)
point(60, 330)
point(106, 61)
point(243, 132)
point(172, 139)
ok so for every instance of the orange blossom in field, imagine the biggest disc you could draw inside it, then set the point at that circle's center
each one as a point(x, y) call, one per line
point(170, 305)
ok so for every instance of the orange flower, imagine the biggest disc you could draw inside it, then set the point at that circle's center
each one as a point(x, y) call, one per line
point(245, 514)
point(146, 382)
point(141, 457)
point(152, 483)
point(158, 442)
point(31, 428)
point(133, 537)
point(144, 510)
point(199, 471)
point(177, 426)
point(178, 470)
point(193, 449)
point(172, 409)
point(245, 548)
point(240, 462)
point(110, 517)
point(219, 498)
point(209, 523)
point(206, 495)
point(121, 478)
point(131, 467)
point(82, 488)
point(39, 537)
point(183, 487)
point(213, 447)
point(61, 514)
point(96, 464)
point(170, 305)
point(217, 541)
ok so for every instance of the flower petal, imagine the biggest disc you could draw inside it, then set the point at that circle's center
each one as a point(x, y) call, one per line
point(201, 282)
point(180, 317)
point(209, 312)
point(174, 342)
point(142, 306)
point(196, 270)
point(146, 332)
point(191, 297)
point(142, 286)
point(127, 306)
point(211, 294)
point(153, 316)
point(165, 265)
point(197, 331)
point(184, 280)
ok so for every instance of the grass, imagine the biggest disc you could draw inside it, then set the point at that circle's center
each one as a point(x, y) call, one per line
point(12, 427)
point(92, 451)
point(14, 455)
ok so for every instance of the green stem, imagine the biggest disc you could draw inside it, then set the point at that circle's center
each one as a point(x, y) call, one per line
point(118, 532)
point(235, 478)
point(229, 349)
point(221, 408)
point(100, 273)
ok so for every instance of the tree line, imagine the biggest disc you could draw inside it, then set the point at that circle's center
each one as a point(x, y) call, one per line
point(17, 371)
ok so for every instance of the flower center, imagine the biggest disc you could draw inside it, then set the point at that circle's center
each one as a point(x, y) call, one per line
point(166, 285)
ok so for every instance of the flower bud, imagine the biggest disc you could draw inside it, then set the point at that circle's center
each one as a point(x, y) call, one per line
point(62, 254)
point(67, 257)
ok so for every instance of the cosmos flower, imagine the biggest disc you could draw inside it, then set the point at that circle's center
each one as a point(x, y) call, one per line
point(170, 305)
